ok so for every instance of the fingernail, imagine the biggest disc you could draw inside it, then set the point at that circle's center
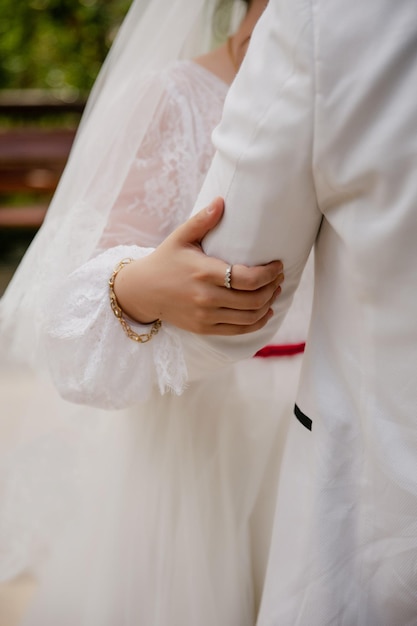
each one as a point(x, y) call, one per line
point(276, 294)
point(212, 205)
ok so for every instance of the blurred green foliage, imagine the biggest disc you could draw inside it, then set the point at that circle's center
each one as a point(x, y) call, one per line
point(56, 44)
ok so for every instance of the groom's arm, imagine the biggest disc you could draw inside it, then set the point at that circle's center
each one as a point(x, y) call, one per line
point(263, 168)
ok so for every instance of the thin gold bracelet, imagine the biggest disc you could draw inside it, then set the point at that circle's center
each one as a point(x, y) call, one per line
point(139, 338)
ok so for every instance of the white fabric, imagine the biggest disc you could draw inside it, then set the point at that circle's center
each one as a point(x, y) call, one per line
point(318, 145)
point(173, 515)
point(168, 504)
point(82, 338)
point(118, 114)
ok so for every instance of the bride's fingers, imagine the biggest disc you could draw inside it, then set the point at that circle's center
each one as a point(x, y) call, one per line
point(207, 320)
point(196, 227)
point(213, 271)
point(244, 278)
point(242, 318)
point(222, 298)
point(225, 329)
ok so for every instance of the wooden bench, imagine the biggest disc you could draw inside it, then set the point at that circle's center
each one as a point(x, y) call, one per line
point(32, 158)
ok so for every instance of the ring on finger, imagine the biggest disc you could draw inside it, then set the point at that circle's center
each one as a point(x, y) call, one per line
point(228, 277)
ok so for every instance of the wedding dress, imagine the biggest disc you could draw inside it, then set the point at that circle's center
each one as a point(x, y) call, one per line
point(158, 512)
point(133, 507)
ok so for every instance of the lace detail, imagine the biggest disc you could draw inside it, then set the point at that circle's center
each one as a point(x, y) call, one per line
point(83, 340)
point(167, 173)
point(169, 363)
point(92, 361)
point(191, 109)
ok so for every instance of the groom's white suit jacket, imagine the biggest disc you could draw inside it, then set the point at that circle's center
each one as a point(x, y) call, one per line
point(318, 147)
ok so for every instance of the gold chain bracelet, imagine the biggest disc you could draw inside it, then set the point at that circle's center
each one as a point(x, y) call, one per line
point(139, 338)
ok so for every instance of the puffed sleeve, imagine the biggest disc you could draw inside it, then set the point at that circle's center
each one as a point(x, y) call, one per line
point(264, 169)
point(91, 360)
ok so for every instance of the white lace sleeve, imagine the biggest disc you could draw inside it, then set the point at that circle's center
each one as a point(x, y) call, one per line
point(91, 360)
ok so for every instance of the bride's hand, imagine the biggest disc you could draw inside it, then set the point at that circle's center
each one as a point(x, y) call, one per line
point(181, 285)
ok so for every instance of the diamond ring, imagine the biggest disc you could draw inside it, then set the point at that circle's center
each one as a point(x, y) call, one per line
point(228, 277)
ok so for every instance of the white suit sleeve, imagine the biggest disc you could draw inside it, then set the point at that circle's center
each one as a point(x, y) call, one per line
point(263, 169)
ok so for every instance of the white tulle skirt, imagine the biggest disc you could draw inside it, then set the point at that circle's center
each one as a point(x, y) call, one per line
point(160, 515)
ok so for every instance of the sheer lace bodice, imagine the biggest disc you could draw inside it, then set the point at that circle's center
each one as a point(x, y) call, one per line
point(170, 165)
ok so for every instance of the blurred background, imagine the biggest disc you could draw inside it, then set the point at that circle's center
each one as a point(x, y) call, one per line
point(50, 54)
